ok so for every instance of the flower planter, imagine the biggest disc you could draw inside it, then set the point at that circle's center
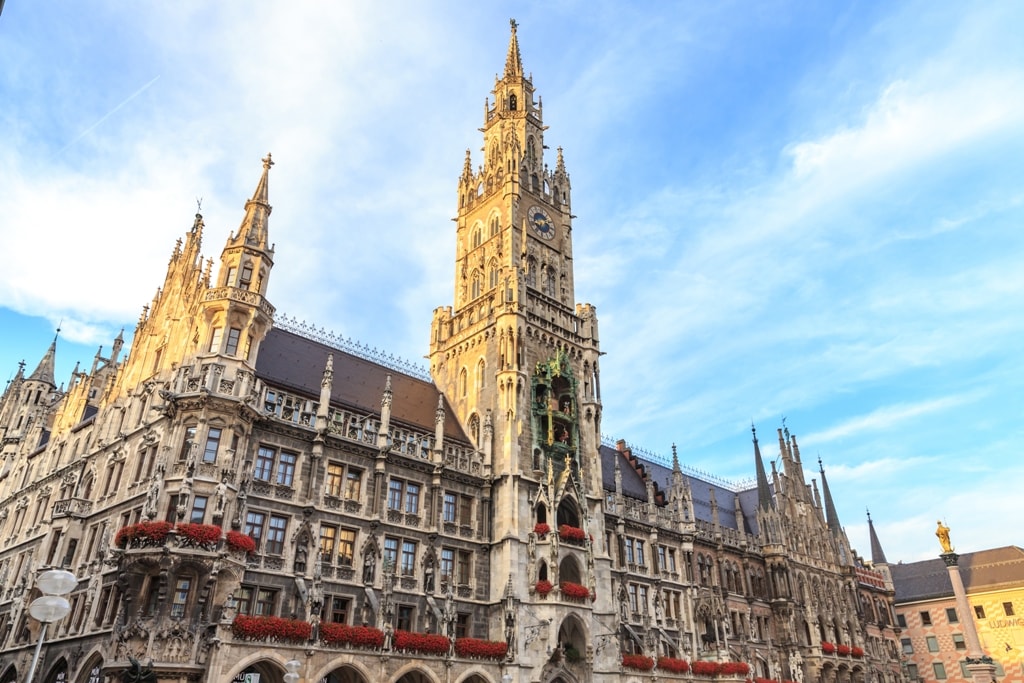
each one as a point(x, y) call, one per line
point(203, 536)
point(573, 591)
point(354, 636)
point(421, 643)
point(637, 662)
point(673, 665)
point(239, 542)
point(571, 534)
point(473, 648)
point(541, 529)
point(142, 535)
point(827, 647)
point(543, 587)
point(271, 628)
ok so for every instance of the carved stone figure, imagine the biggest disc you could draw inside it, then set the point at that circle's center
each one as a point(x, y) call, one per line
point(942, 532)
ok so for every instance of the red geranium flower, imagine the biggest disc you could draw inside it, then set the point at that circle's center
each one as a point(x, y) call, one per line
point(541, 529)
point(543, 587)
point(638, 662)
point(423, 643)
point(827, 647)
point(239, 541)
point(844, 650)
point(733, 669)
point(356, 636)
point(703, 668)
point(273, 628)
point(472, 648)
point(574, 591)
point(142, 534)
point(571, 533)
point(857, 652)
point(205, 536)
point(676, 666)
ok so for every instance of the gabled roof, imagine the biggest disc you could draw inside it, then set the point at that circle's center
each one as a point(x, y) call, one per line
point(985, 570)
point(633, 486)
point(293, 362)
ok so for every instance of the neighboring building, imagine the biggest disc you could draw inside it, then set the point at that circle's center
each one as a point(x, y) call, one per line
point(933, 641)
point(477, 504)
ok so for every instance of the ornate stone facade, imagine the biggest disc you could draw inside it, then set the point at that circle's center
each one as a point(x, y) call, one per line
point(240, 491)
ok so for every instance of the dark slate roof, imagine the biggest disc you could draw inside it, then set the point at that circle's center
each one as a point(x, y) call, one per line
point(984, 570)
point(633, 486)
point(293, 362)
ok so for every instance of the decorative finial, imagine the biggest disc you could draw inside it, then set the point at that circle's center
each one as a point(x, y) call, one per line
point(514, 25)
point(199, 204)
point(268, 161)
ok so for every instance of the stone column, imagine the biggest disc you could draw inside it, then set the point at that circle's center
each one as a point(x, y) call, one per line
point(979, 665)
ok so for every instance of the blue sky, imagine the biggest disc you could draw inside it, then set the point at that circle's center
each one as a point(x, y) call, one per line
point(809, 210)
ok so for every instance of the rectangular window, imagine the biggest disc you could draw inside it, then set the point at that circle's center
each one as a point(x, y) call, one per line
point(926, 618)
point(933, 643)
point(234, 334)
point(640, 556)
point(951, 615)
point(229, 281)
point(340, 608)
point(463, 567)
point(447, 564)
point(180, 598)
point(246, 277)
point(462, 624)
point(901, 620)
point(465, 511)
point(1008, 609)
point(186, 444)
point(630, 558)
point(346, 546)
point(940, 670)
point(404, 617)
point(395, 494)
point(244, 601)
point(264, 463)
point(448, 508)
point(662, 558)
point(908, 647)
point(275, 535)
point(979, 611)
point(390, 552)
point(328, 534)
point(632, 598)
point(335, 477)
point(912, 671)
point(286, 468)
point(254, 522)
point(958, 641)
point(642, 597)
point(215, 338)
point(265, 599)
point(353, 484)
point(198, 510)
point(212, 444)
point(412, 499)
point(408, 558)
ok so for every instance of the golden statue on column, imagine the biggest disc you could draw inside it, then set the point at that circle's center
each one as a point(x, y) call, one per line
point(943, 533)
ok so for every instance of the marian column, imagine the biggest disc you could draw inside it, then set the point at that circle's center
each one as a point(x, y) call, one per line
point(979, 665)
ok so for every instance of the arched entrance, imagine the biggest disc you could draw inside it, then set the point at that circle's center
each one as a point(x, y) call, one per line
point(263, 671)
point(344, 674)
point(92, 671)
point(415, 677)
point(58, 673)
point(10, 675)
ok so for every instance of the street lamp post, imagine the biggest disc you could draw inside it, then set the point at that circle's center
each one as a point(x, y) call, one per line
point(292, 666)
point(52, 606)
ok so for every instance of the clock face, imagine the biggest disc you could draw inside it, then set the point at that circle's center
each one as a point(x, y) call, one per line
point(540, 223)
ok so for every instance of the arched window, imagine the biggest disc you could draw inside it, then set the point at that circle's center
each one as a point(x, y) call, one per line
point(462, 382)
point(474, 428)
point(476, 285)
point(481, 369)
point(531, 272)
point(512, 102)
point(492, 277)
point(475, 241)
point(495, 226)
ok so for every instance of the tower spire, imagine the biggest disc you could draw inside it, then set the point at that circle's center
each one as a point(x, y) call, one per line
point(831, 516)
point(44, 371)
point(877, 554)
point(764, 494)
point(253, 231)
point(513, 61)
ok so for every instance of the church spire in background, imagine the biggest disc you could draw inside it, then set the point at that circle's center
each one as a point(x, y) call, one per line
point(513, 61)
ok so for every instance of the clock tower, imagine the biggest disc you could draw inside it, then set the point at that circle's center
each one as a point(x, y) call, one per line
point(518, 361)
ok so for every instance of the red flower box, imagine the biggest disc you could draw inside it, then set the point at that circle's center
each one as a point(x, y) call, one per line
point(472, 648)
point(827, 647)
point(238, 541)
point(143, 534)
point(673, 665)
point(422, 643)
point(638, 662)
point(356, 636)
point(543, 587)
point(857, 652)
point(272, 628)
point(733, 669)
point(541, 529)
point(703, 668)
point(572, 534)
point(205, 536)
point(844, 650)
point(573, 591)
point(765, 680)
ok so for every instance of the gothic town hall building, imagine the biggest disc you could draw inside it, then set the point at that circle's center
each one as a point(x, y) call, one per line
point(240, 496)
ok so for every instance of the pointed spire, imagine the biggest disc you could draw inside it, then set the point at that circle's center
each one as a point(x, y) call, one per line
point(675, 460)
point(44, 371)
point(253, 231)
point(467, 167)
point(831, 517)
point(877, 554)
point(764, 494)
point(513, 62)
